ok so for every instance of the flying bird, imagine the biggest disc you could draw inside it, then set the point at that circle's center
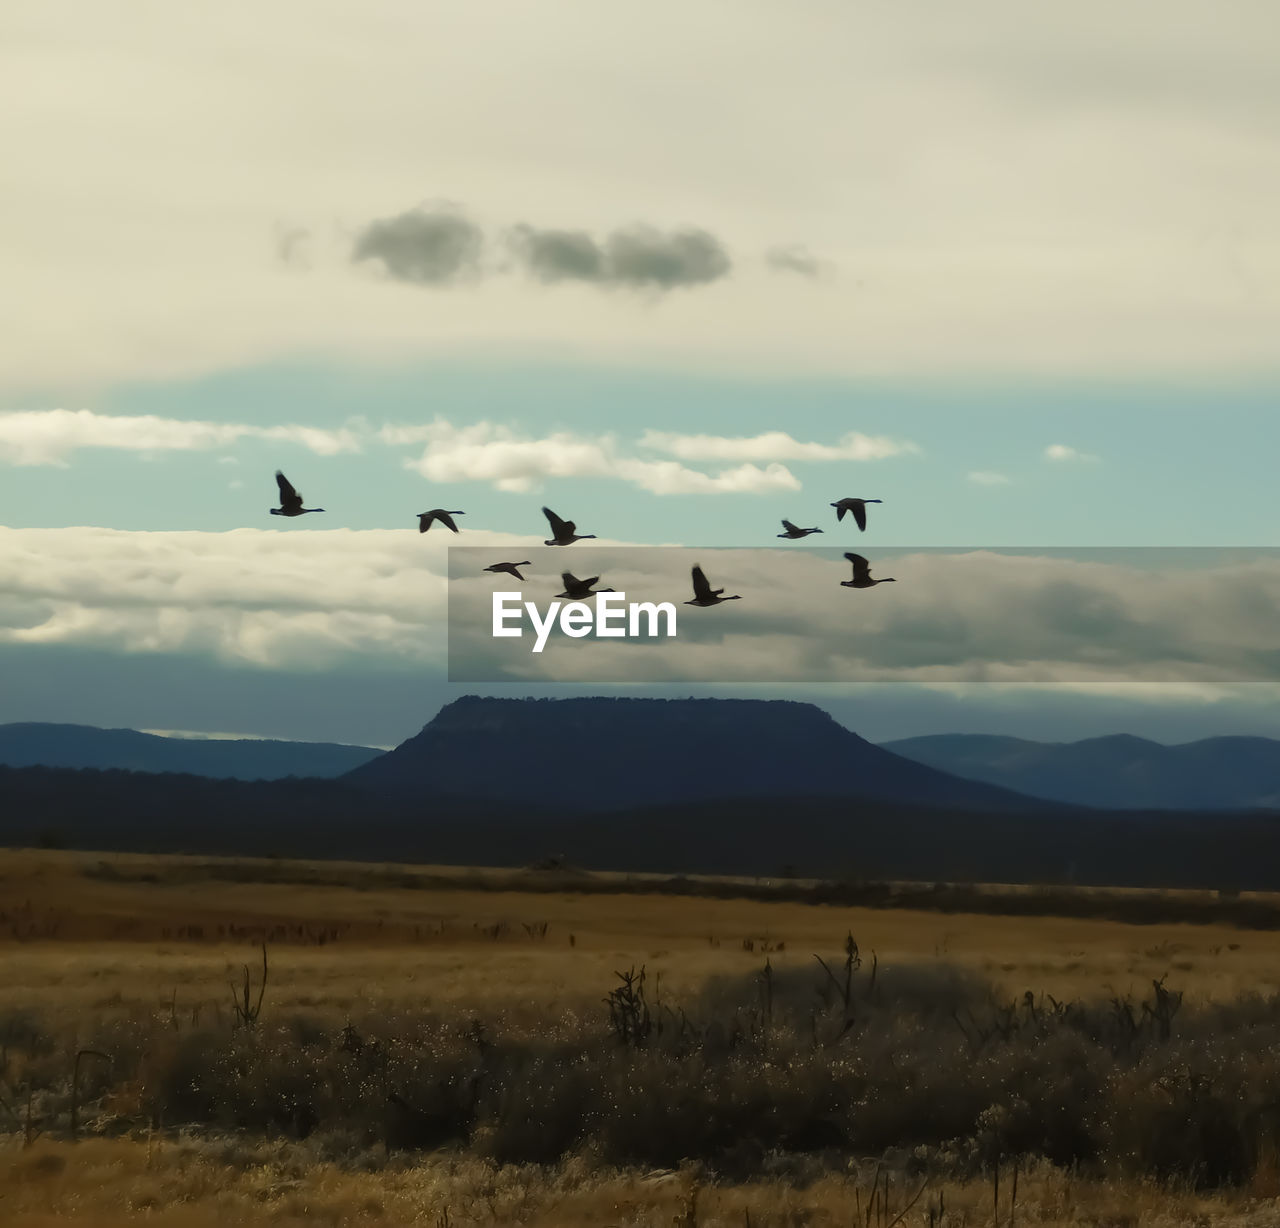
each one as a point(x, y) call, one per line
point(792, 533)
point(290, 499)
point(579, 590)
point(564, 532)
point(510, 568)
point(425, 519)
point(704, 594)
point(862, 574)
point(858, 507)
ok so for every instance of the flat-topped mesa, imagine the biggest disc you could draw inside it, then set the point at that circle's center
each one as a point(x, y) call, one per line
point(476, 712)
point(600, 753)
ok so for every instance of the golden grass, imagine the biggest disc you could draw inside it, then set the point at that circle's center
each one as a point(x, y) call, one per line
point(200, 1185)
point(124, 942)
point(86, 936)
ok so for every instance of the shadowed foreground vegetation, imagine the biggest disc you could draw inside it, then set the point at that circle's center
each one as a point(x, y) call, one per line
point(924, 1063)
point(412, 1045)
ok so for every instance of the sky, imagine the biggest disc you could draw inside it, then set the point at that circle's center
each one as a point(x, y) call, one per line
point(676, 273)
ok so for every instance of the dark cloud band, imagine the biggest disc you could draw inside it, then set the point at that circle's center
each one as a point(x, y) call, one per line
point(426, 247)
point(642, 257)
point(441, 246)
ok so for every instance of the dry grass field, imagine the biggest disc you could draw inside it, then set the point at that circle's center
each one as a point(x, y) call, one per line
point(431, 1042)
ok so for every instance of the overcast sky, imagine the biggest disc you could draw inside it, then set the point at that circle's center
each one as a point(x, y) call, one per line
point(678, 271)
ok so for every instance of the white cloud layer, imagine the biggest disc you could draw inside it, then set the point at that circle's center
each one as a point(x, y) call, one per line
point(989, 477)
point(1164, 617)
point(1081, 191)
point(280, 599)
point(49, 436)
point(773, 446)
point(487, 452)
point(1064, 453)
point(478, 452)
point(304, 599)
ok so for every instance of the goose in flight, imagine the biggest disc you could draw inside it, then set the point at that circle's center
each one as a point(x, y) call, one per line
point(704, 594)
point(425, 519)
point(579, 590)
point(290, 499)
point(793, 533)
point(858, 507)
point(564, 532)
point(862, 574)
point(509, 568)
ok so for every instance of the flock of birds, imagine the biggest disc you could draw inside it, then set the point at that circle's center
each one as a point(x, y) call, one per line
point(565, 533)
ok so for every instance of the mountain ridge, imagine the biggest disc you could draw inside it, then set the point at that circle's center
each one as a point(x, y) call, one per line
point(608, 754)
point(53, 744)
point(834, 839)
point(1114, 771)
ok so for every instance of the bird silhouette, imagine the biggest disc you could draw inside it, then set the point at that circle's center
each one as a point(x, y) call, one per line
point(858, 507)
point(509, 568)
point(579, 590)
point(793, 533)
point(290, 499)
point(425, 519)
point(704, 594)
point(862, 574)
point(564, 532)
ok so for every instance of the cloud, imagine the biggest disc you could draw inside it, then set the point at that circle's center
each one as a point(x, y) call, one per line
point(793, 258)
point(442, 247)
point(487, 452)
point(774, 446)
point(291, 245)
point(641, 257)
point(1116, 618)
point(433, 247)
point(309, 599)
point(282, 599)
point(988, 477)
point(645, 256)
point(48, 436)
point(670, 478)
point(558, 255)
point(1061, 452)
point(981, 178)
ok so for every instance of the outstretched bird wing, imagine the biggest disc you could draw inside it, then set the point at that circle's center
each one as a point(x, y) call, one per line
point(790, 528)
point(445, 519)
point(860, 565)
point(559, 528)
point(701, 589)
point(841, 508)
point(860, 515)
point(288, 496)
point(569, 581)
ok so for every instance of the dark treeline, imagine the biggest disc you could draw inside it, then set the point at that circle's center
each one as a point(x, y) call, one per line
point(832, 839)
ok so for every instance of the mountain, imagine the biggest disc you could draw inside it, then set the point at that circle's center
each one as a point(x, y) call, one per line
point(1117, 772)
point(84, 746)
point(599, 754)
point(848, 840)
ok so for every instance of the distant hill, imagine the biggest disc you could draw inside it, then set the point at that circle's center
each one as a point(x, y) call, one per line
point(833, 838)
point(84, 746)
point(599, 754)
point(1117, 772)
